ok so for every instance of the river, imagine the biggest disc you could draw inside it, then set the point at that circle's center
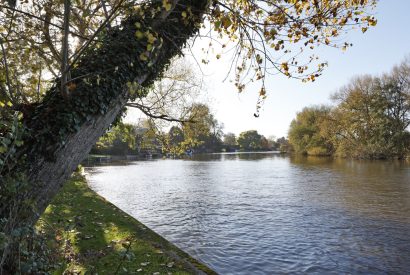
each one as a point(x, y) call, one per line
point(264, 213)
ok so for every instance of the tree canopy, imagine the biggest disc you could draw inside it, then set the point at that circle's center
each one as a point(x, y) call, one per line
point(305, 131)
point(36, 36)
point(250, 140)
point(371, 119)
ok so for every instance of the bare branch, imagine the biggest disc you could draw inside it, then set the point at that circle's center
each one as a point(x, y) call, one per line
point(39, 84)
point(147, 111)
point(6, 66)
point(106, 13)
point(47, 36)
point(41, 19)
point(64, 50)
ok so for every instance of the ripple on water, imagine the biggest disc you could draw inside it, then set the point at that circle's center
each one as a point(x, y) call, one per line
point(274, 214)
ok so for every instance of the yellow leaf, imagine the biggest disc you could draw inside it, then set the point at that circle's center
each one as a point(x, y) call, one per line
point(139, 34)
point(226, 22)
point(143, 57)
point(373, 23)
point(151, 38)
point(166, 5)
point(285, 66)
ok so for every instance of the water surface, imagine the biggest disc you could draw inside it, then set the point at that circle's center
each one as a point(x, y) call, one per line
point(268, 214)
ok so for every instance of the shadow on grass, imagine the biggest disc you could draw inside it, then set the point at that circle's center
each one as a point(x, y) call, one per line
point(93, 236)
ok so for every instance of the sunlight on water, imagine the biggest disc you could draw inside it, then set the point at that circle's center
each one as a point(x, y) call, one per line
point(266, 213)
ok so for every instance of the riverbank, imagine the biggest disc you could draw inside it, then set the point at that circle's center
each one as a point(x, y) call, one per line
point(90, 235)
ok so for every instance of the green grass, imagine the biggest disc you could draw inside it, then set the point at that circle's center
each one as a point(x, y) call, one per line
point(89, 235)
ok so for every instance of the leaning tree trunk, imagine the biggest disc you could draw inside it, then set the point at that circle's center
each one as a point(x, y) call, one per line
point(61, 131)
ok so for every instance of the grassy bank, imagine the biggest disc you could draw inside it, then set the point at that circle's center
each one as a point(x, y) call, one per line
point(90, 235)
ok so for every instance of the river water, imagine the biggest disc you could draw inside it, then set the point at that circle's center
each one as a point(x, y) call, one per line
point(267, 214)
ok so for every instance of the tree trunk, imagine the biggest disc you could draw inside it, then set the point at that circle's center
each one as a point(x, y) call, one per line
point(61, 132)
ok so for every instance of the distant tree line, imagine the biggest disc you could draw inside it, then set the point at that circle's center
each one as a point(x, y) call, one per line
point(203, 134)
point(251, 140)
point(370, 120)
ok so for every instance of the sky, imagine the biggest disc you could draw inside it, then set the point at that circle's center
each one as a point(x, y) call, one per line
point(374, 52)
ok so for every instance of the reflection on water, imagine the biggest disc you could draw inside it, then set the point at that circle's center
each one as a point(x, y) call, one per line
point(237, 156)
point(267, 213)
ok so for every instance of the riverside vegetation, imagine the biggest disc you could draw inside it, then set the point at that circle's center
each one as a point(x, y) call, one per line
point(370, 120)
point(204, 135)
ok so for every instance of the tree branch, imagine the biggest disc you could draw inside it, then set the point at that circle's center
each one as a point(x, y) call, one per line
point(41, 19)
point(106, 13)
point(6, 66)
point(64, 50)
point(147, 111)
point(47, 36)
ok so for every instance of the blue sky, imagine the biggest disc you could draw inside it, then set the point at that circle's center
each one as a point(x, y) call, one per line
point(374, 52)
